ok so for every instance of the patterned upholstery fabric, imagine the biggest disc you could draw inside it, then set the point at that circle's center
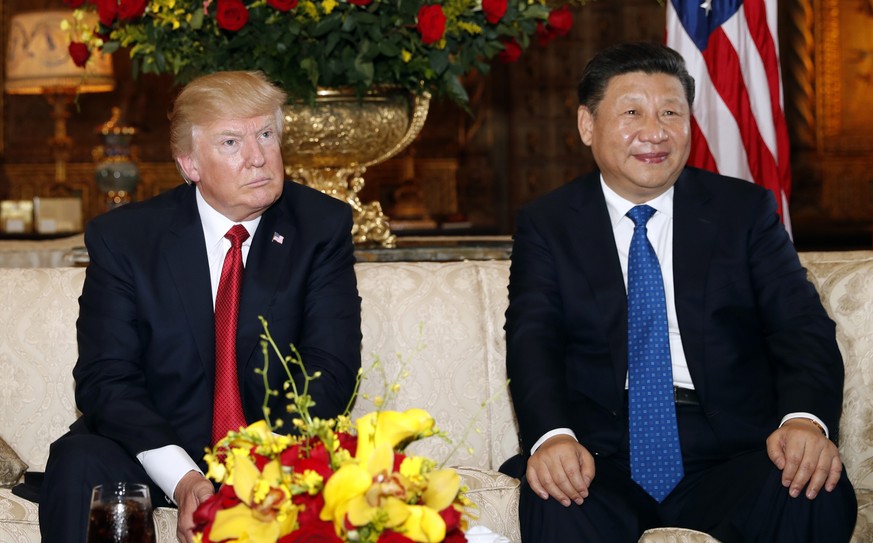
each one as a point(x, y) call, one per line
point(445, 320)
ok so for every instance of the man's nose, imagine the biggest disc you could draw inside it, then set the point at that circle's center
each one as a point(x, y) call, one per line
point(653, 130)
point(254, 155)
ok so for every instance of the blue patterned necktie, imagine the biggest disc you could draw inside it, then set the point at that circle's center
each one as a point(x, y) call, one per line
point(655, 456)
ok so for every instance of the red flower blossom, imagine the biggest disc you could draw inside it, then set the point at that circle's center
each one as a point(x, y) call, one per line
point(455, 536)
point(225, 498)
point(431, 23)
point(75, 4)
point(282, 5)
point(312, 532)
point(544, 34)
point(129, 10)
point(511, 51)
point(389, 536)
point(348, 442)
point(107, 10)
point(231, 15)
point(80, 53)
point(494, 10)
point(452, 518)
point(561, 20)
point(312, 507)
point(361, 2)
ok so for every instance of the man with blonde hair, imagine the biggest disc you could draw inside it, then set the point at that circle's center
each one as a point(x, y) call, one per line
point(168, 327)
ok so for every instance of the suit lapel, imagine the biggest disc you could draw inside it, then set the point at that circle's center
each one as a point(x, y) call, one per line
point(268, 261)
point(695, 224)
point(598, 258)
point(185, 255)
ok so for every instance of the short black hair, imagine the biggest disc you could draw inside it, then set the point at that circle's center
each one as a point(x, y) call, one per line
point(646, 57)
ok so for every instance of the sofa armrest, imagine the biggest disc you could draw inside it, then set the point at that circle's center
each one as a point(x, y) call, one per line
point(495, 496)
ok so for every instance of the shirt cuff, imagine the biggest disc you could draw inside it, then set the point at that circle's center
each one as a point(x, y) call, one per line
point(810, 416)
point(553, 433)
point(166, 466)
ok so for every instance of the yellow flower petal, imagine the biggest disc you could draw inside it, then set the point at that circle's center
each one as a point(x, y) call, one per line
point(238, 522)
point(382, 460)
point(245, 476)
point(442, 487)
point(424, 525)
point(359, 512)
point(348, 482)
point(398, 512)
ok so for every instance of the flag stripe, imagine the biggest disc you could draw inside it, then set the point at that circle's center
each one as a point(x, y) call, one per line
point(738, 125)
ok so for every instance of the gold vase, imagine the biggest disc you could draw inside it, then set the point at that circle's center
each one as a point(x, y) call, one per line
point(330, 145)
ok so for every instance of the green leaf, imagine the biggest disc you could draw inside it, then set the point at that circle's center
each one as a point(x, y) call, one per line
point(196, 19)
point(310, 68)
point(110, 47)
point(328, 24)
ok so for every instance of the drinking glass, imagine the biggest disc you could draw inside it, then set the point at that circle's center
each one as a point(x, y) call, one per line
point(121, 513)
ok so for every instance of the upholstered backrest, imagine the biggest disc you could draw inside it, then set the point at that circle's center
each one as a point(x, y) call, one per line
point(845, 282)
point(445, 318)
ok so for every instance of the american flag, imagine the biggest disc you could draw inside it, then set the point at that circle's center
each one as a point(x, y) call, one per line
point(278, 238)
point(738, 126)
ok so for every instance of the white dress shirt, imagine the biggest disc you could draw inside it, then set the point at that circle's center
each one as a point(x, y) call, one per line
point(659, 230)
point(167, 465)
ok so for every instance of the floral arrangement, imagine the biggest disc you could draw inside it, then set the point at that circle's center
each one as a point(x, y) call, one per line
point(330, 482)
point(420, 45)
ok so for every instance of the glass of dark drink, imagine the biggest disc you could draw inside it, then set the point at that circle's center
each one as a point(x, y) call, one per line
point(121, 513)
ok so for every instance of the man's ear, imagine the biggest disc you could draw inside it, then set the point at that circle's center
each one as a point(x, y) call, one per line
point(187, 166)
point(585, 124)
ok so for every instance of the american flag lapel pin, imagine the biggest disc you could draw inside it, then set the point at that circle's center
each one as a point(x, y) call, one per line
point(278, 238)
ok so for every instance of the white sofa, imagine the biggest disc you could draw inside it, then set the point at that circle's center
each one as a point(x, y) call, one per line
point(454, 310)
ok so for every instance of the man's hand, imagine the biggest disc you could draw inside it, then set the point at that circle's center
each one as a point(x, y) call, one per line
point(806, 457)
point(192, 490)
point(561, 468)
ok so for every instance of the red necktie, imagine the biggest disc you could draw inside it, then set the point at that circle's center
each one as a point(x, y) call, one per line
point(227, 412)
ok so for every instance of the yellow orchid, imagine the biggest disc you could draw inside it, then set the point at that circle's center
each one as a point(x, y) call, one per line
point(391, 428)
point(367, 489)
point(266, 512)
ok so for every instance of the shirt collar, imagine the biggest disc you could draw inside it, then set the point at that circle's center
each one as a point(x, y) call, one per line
point(618, 206)
point(216, 225)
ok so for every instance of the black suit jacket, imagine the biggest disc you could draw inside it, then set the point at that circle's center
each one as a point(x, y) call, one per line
point(146, 335)
point(758, 343)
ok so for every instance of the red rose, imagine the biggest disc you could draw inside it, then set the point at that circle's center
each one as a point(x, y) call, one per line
point(511, 51)
point(129, 10)
point(452, 518)
point(79, 53)
point(74, 3)
point(544, 34)
point(107, 10)
point(231, 15)
point(312, 532)
point(561, 20)
point(225, 498)
point(431, 23)
point(455, 536)
point(389, 536)
point(312, 506)
point(282, 5)
point(494, 10)
point(361, 2)
point(348, 442)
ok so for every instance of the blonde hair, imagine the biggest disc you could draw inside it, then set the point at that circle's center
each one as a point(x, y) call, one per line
point(222, 95)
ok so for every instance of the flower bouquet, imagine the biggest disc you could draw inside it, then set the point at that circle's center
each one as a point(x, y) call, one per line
point(303, 45)
point(331, 481)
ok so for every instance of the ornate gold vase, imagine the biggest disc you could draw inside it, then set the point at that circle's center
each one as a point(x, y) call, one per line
point(330, 145)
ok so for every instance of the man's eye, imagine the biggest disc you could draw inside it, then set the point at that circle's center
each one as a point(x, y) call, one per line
point(267, 134)
point(228, 143)
point(630, 112)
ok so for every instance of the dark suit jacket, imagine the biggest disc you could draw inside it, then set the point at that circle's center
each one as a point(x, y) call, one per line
point(146, 335)
point(758, 342)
